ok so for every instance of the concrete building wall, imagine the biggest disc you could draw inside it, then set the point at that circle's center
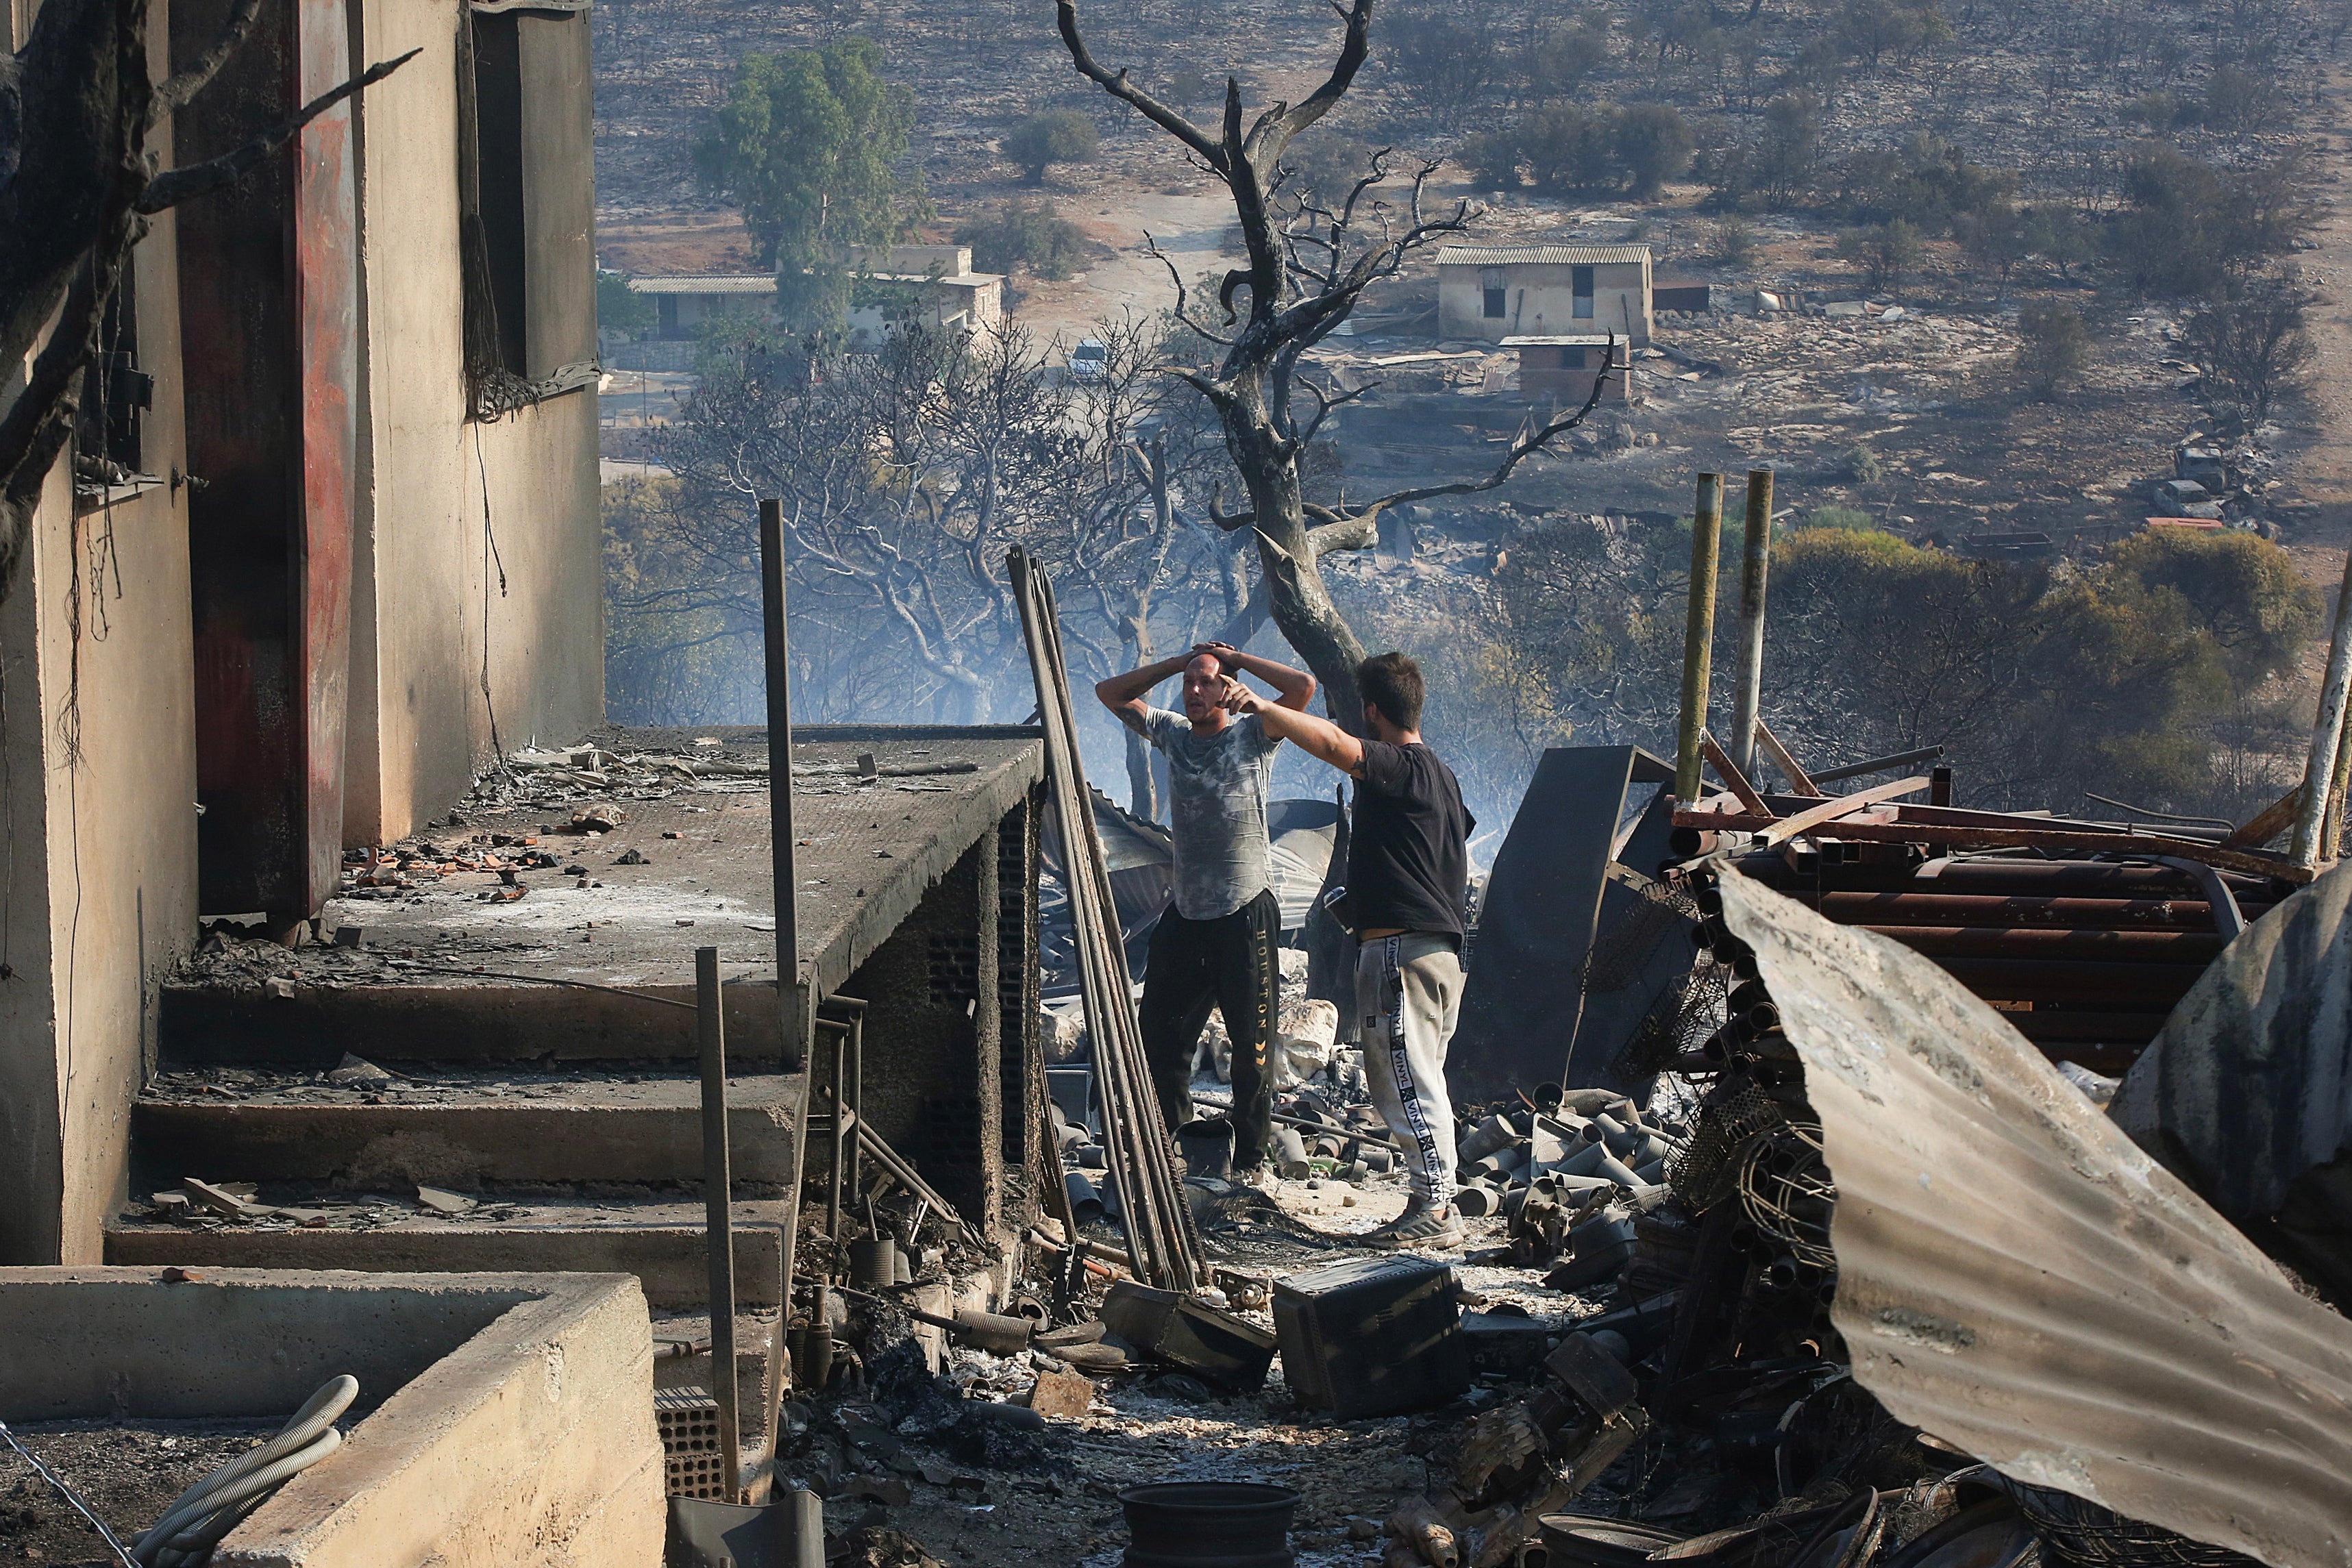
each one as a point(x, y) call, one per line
point(468, 533)
point(1540, 298)
point(97, 786)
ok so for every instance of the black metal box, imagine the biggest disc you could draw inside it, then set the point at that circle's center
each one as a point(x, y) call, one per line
point(1371, 1337)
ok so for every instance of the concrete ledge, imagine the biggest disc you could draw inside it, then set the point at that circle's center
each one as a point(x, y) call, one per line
point(661, 1244)
point(529, 1439)
point(482, 1022)
point(614, 1132)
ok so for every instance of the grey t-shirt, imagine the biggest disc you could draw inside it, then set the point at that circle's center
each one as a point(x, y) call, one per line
point(1216, 788)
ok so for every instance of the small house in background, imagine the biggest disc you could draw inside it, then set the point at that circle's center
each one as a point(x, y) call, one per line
point(683, 306)
point(1561, 367)
point(933, 284)
point(1489, 293)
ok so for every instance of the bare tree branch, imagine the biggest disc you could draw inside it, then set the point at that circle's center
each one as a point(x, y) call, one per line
point(169, 190)
point(1525, 444)
point(181, 90)
point(1065, 18)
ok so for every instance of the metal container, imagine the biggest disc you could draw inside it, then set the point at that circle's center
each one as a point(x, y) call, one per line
point(874, 1263)
point(1230, 1352)
point(1208, 1524)
point(1208, 1148)
point(1371, 1337)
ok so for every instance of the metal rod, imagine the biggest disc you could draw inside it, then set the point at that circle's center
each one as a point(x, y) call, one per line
point(718, 1190)
point(2331, 840)
point(1698, 635)
point(840, 1128)
point(1878, 764)
point(2326, 732)
point(1755, 566)
point(791, 994)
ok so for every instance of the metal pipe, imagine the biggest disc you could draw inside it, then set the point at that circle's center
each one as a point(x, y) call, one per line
point(2327, 734)
point(2061, 916)
point(792, 991)
point(2331, 840)
point(2056, 942)
point(1755, 566)
point(1698, 633)
point(1878, 765)
point(718, 1190)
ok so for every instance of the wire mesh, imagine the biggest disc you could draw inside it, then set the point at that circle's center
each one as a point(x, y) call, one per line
point(2076, 1533)
point(1679, 1021)
point(1785, 1188)
point(1729, 1117)
point(1618, 957)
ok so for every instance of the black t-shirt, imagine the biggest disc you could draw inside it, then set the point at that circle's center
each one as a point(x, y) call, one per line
point(1408, 849)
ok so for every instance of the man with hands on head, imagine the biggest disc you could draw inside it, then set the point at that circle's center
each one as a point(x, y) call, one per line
point(1215, 945)
point(1408, 870)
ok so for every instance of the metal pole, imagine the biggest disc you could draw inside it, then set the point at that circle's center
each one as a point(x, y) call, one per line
point(717, 1189)
point(1698, 637)
point(791, 995)
point(2326, 735)
point(1755, 565)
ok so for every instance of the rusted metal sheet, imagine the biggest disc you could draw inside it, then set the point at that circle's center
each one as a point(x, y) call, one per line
point(2250, 1083)
point(268, 330)
point(2017, 1278)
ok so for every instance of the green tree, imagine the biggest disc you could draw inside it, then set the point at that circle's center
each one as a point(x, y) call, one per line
point(2054, 345)
point(2243, 590)
point(1569, 148)
point(809, 144)
point(2252, 346)
point(1054, 136)
point(1654, 143)
point(1884, 251)
point(619, 307)
point(1025, 235)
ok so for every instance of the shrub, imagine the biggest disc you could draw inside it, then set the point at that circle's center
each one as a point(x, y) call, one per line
point(1852, 519)
point(620, 308)
point(1569, 149)
point(1188, 86)
point(1022, 235)
point(1863, 465)
point(1056, 136)
point(1883, 251)
point(1735, 243)
point(1654, 143)
point(2054, 347)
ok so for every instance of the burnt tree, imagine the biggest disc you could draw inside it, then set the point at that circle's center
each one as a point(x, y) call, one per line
point(78, 183)
point(1308, 263)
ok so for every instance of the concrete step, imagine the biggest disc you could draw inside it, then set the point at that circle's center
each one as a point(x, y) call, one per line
point(454, 1021)
point(660, 1240)
point(453, 1127)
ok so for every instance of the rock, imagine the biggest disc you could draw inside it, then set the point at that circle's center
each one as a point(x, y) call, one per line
point(354, 1071)
point(442, 1201)
point(1061, 1396)
point(279, 987)
point(632, 857)
point(886, 1489)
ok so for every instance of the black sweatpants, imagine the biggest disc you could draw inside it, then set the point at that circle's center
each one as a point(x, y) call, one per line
point(1227, 963)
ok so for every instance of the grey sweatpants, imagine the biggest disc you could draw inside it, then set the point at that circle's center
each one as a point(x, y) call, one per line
point(1408, 995)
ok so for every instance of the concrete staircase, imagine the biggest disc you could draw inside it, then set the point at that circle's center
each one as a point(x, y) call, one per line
point(551, 1165)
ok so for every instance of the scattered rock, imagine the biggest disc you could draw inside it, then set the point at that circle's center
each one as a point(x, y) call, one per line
point(1061, 1396)
point(442, 1201)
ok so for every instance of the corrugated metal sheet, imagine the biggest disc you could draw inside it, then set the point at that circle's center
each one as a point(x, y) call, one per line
point(2017, 1278)
point(2250, 1085)
point(1542, 254)
point(721, 283)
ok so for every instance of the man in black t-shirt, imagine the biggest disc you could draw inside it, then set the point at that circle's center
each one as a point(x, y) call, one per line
point(1408, 870)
